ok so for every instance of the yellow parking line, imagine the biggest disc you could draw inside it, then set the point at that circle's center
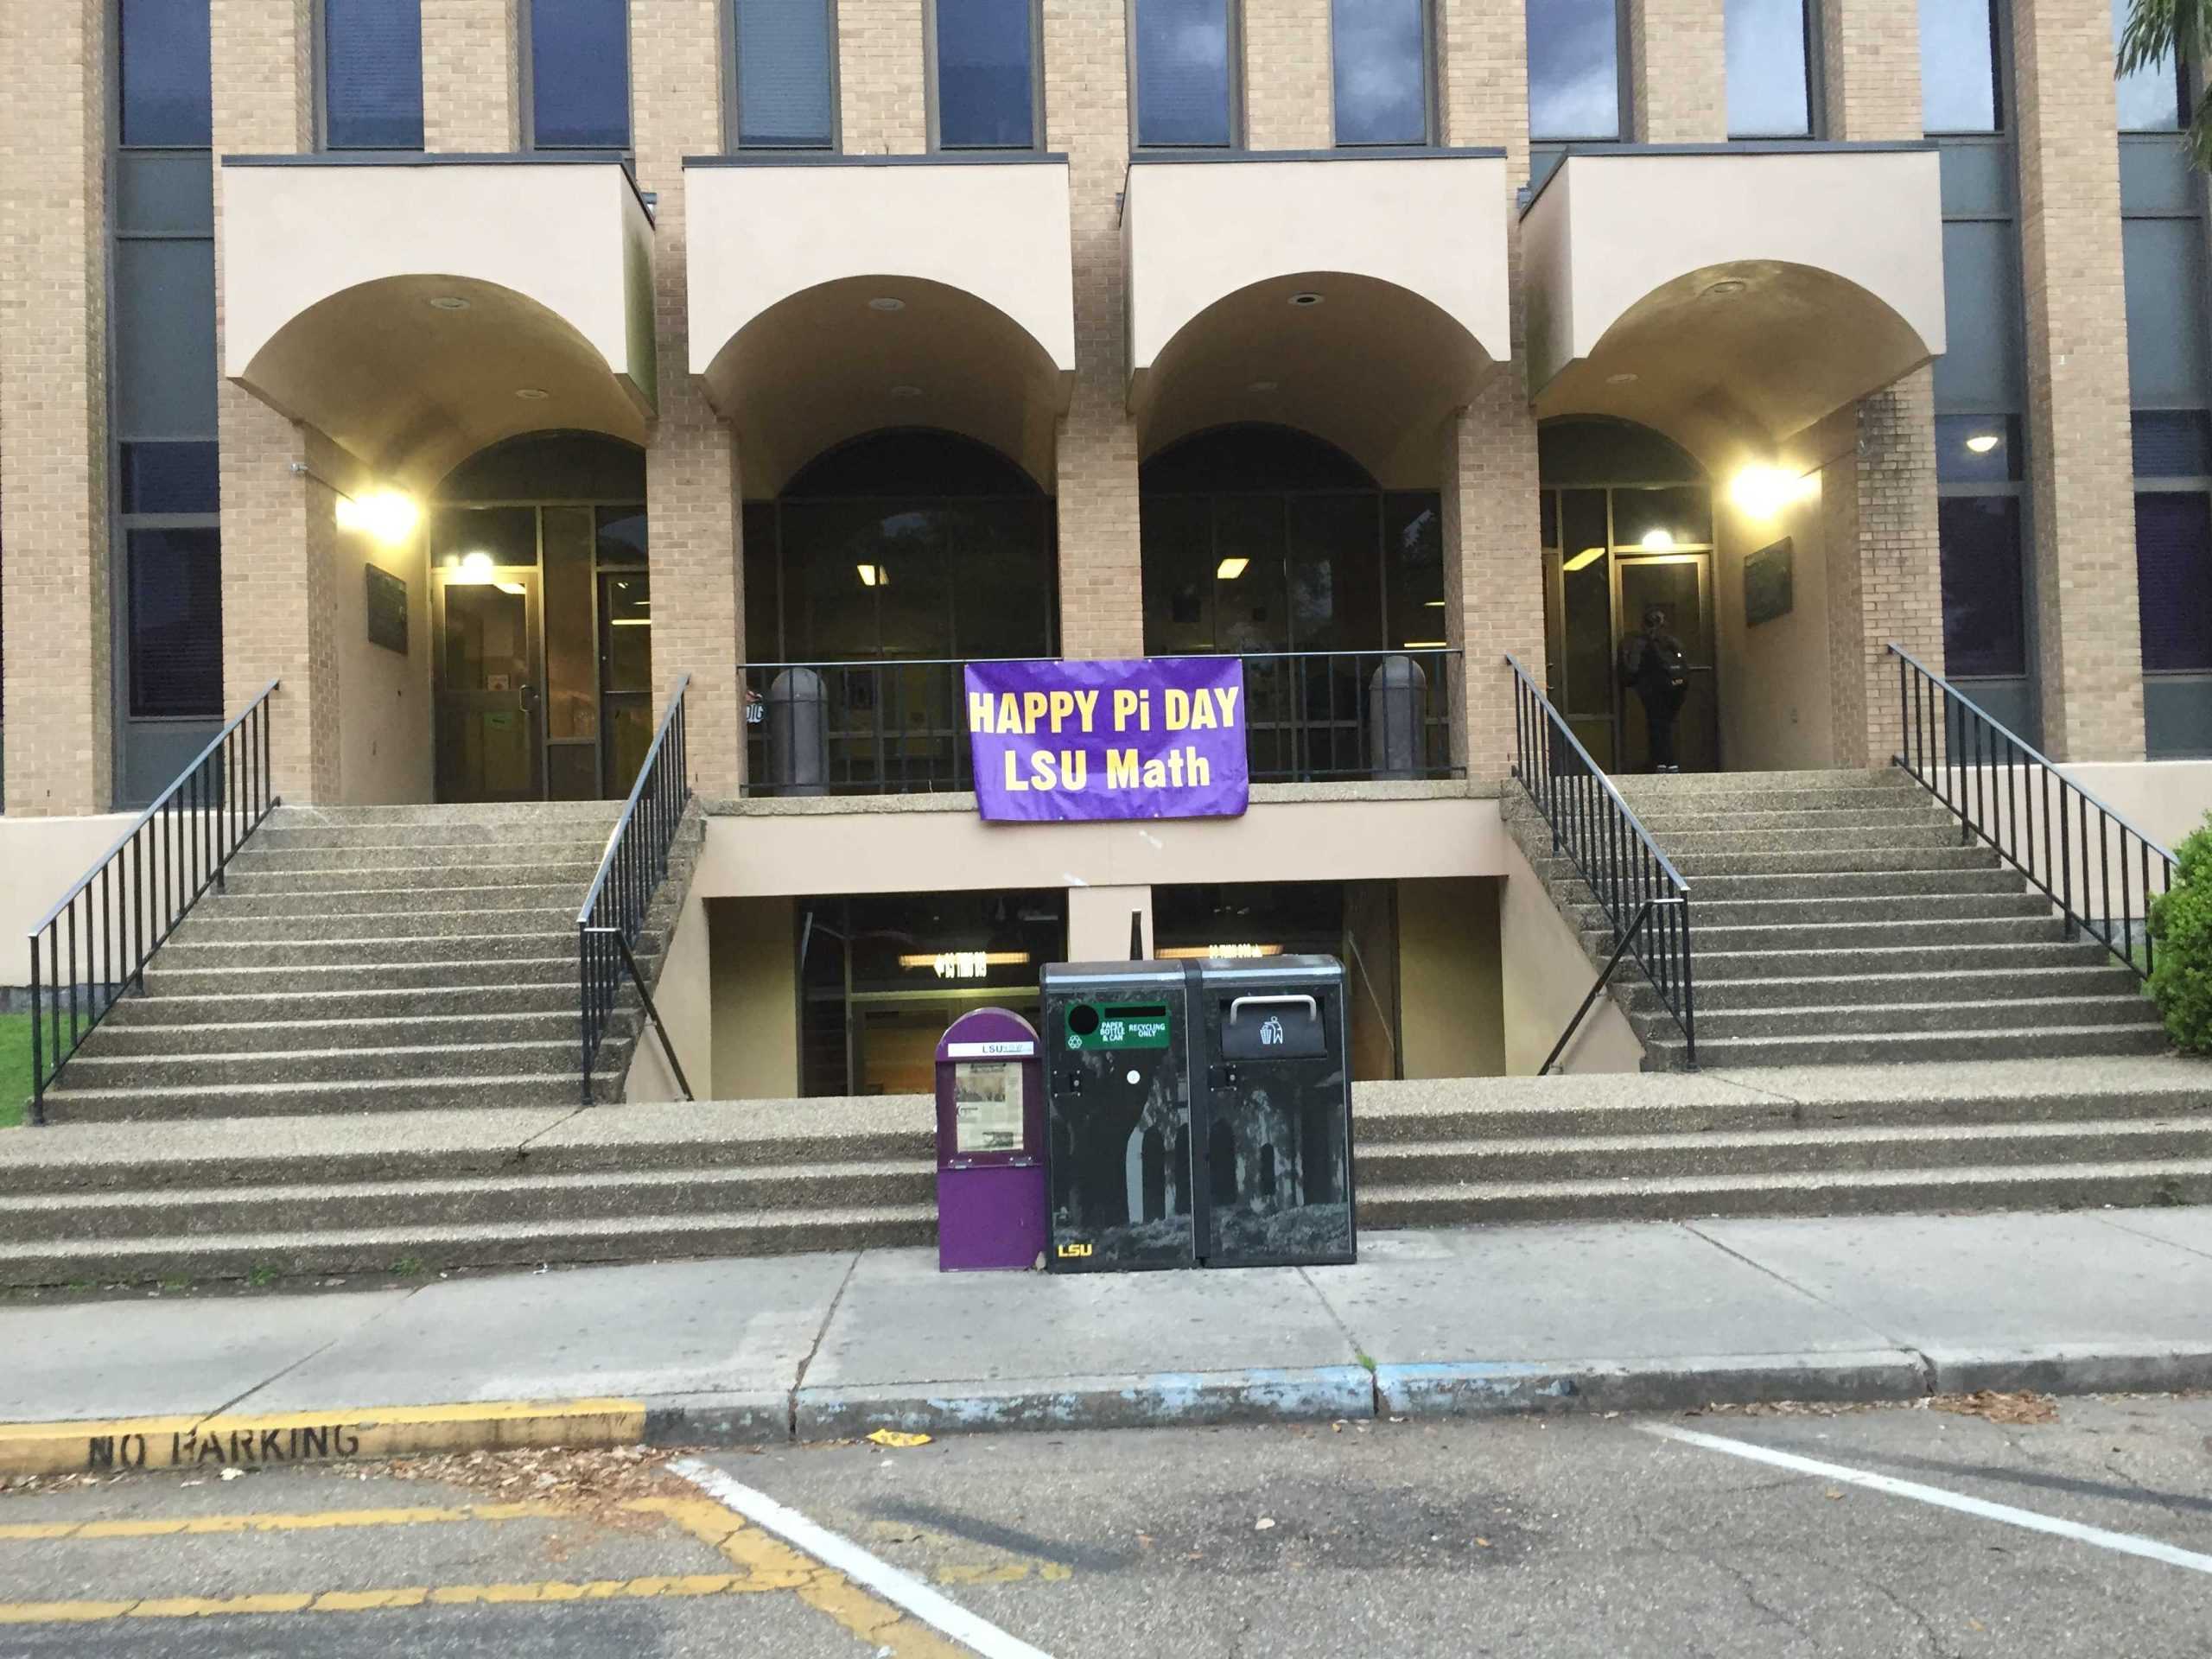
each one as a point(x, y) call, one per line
point(201, 1526)
point(402, 1596)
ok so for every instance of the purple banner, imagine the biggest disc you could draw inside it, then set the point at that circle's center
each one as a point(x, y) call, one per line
point(1153, 737)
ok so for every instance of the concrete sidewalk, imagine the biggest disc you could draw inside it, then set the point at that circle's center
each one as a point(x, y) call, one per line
point(1642, 1316)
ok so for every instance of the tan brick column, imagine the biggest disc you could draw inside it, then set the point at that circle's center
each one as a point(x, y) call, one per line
point(54, 488)
point(1493, 558)
point(691, 468)
point(1087, 115)
point(880, 102)
point(1678, 71)
point(472, 93)
point(2088, 639)
point(1885, 567)
point(1289, 75)
point(279, 531)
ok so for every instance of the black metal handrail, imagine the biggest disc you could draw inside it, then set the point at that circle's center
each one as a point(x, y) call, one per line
point(131, 899)
point(900, 727)
point(1643, 894)
point(2016, 800)
point(630, 873)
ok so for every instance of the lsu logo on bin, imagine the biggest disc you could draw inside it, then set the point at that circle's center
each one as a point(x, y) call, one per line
point(1071, 1252)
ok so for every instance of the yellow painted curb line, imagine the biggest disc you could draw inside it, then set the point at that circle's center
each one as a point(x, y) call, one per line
point(347, 1435)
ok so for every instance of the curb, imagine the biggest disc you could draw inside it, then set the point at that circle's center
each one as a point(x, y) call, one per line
point(1482, 1390)
point(2067, 1368)
point(1161, 1400)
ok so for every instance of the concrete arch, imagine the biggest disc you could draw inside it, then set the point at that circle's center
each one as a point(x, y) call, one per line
point(1370, 365)
point(824, 364)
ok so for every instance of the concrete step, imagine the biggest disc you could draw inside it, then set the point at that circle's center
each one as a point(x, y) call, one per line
point(1839, 859)
point(380, 902)
point(521, 1197)
point(187, 978)
point(1712, 938)
point(346, 850)
point(480, 950)
point(210, 926)
point(78, 1101)
point(2122, 1007)
point(1825, 991)
point(507, 997)
point(1733, 797)
point(2023, 1186)
point(290, 1033)
point(551, 1056)
point(573, 840)
point(1675, 785)
point(433, 881)
point(1857, 884)
point(1665, 822)
point(1919, 907)
point(431, 1249)
point(509, 816)
point(1829, 1149)
point(1720, 957)
point(1665, 1050)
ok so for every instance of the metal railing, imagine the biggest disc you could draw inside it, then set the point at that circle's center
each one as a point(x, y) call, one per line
point(901, 727)
point(2098, 869)
point(95, 940)
point(1644, 897)
point(630, 873)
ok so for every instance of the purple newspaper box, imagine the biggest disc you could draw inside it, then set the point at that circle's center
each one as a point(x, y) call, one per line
point(990, 1144)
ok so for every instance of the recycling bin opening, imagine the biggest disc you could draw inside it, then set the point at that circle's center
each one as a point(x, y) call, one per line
point(1198, 1113)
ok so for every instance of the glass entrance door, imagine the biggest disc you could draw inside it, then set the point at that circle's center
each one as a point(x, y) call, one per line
point(1679, 584)
point(489, 686)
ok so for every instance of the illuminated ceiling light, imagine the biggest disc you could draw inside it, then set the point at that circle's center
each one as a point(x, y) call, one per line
point(1584, 560)
point(1727, 286)
point(1306, 298)
point(1657, 541)
point(1223, 948)
point(1431, 604)
point(1624, 379)
point(873, 575)
point(885, 303)
point(388, 515)
point(965, 964)
point(532, 394)
point(1982, 442)
point(1424, 645)
point(514, 587)
point(1229, 569)
point(477, 564)
point(448, 302)
point(905, 391)
point(1763, 492)
point(626, 621)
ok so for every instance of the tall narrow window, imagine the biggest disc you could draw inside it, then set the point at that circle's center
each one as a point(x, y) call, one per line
point(1769, 80)
point(1381, 48)
point(1575, 72)
point(2151, 100)
point(580, 74)
point(372, 75)
point(786, 74)
point(986, 75)
point(164, 64)
point(1958, 67)
point(1185, 96)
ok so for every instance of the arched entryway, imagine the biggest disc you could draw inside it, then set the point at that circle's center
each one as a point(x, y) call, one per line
point(886, 562)
point(1267, 543)
point(1627, 525)
point(541, 612)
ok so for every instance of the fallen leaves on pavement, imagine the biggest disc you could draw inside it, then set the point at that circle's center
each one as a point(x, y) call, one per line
point(2025, 1407)
point(597, 1483)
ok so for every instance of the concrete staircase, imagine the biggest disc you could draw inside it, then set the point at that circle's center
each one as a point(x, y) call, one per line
point(363, 959)
point(1838, 920)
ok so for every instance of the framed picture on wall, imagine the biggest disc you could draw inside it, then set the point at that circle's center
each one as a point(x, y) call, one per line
point(387, 610)
point(1769, 584)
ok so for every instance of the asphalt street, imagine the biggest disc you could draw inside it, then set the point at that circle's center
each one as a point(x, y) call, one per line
point(1878, 1531)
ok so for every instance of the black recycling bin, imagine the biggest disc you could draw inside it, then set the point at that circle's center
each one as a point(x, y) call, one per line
point(1198, 1113)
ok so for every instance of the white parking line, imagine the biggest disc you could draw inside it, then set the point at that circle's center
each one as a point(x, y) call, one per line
point(896, 1587)
point(2125, 1542)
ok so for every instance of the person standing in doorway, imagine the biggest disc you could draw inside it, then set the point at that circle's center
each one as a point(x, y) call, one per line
point(1655, 667)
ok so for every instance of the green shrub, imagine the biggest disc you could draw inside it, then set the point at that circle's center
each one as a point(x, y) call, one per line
point(2181, 928)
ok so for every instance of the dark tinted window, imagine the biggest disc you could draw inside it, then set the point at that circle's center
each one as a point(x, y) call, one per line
point(2150, 100)
point(1958, 67)
point(2173, 576)
point(2172, 443)
point(163, 52)
point(1381, 49)
point(986, 80)
point(1984, 630)
point(1574, 86)
point(372, 75)
point(786, 63)
point(580, 74)
point(176, 622)
point(1183, 87)
point(1769, 96)
point(169, 478)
